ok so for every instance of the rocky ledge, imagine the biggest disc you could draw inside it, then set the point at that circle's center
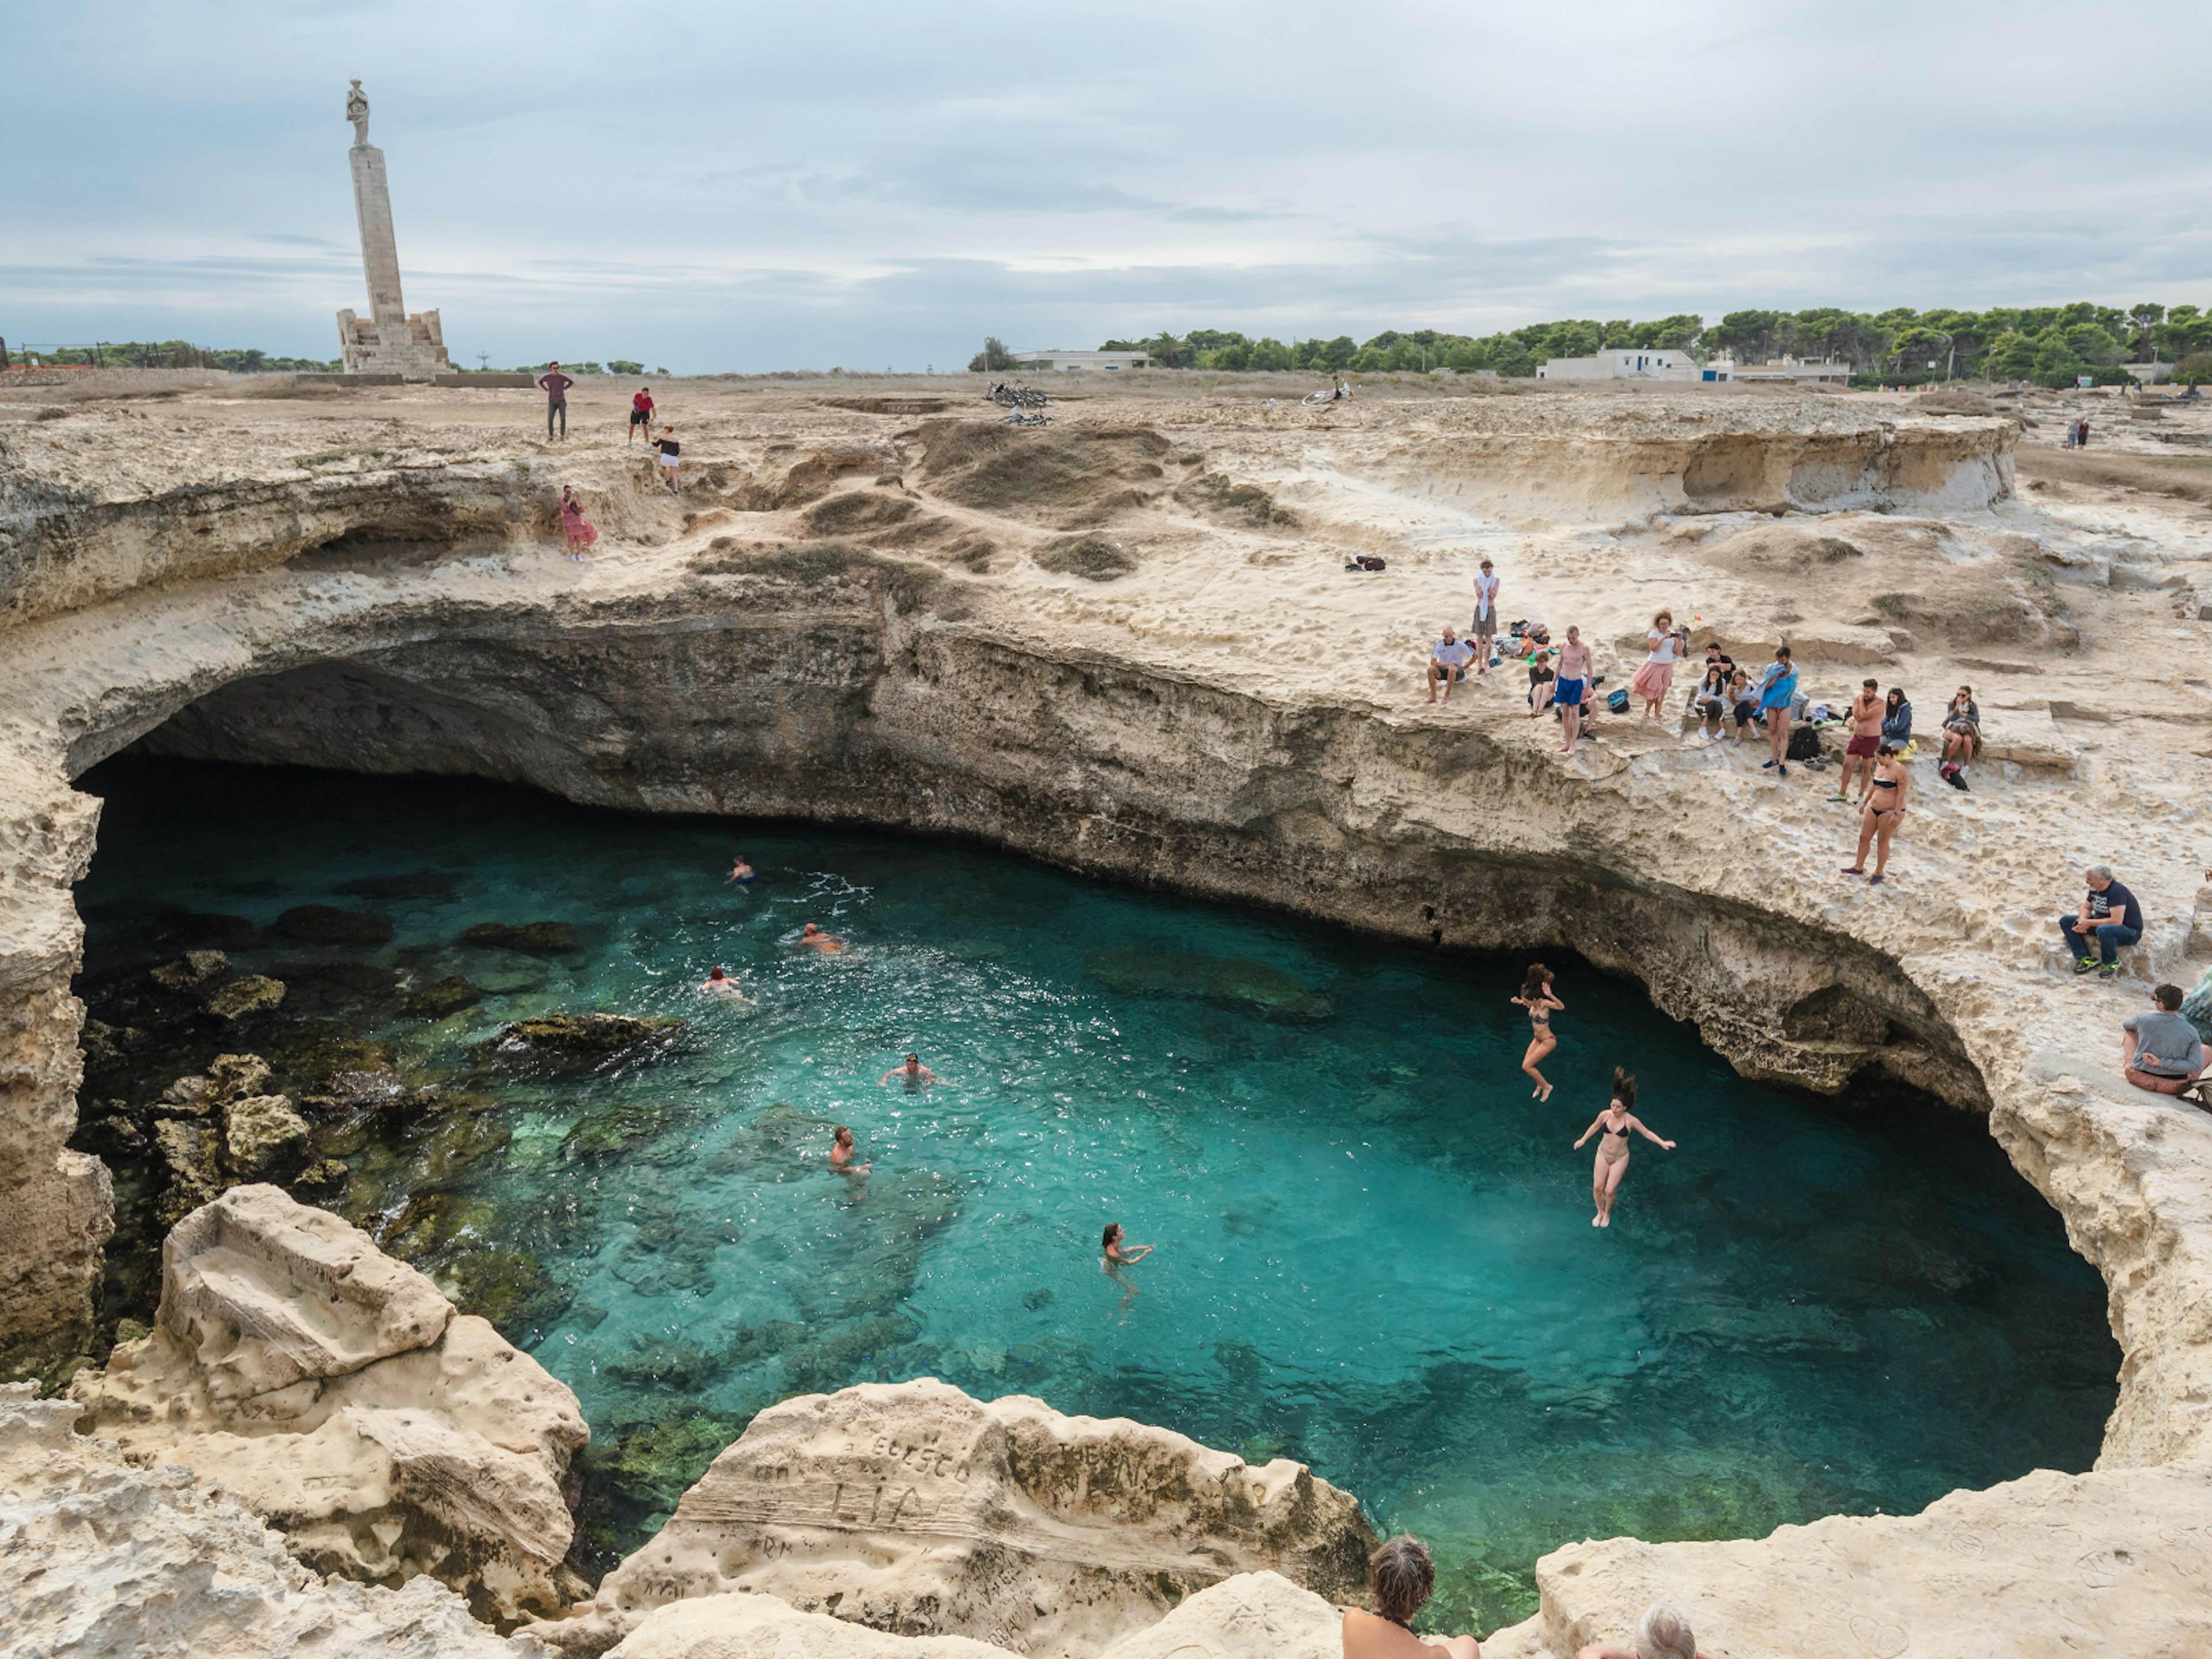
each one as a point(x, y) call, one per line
point(335, 1393)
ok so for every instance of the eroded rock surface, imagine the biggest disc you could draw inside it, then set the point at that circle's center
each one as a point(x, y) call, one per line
point(98, 1557)
point(336, 1392)
point(2045, 1567)
point(914, 1509)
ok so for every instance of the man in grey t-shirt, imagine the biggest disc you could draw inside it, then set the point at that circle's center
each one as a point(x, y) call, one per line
point(2161, 1051)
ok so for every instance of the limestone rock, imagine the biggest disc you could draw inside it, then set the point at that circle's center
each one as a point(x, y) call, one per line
point(2050, 1564)
point(913, 1508)
point(444, 997)
point(193, 1152)
point(103, 1559)
point(196, 970)
point(1254, 1615)
point(261, 1131)
point(256, 993)
point(742, 1625)
point(335, 1392)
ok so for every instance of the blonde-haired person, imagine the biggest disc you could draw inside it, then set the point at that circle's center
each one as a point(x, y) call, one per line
point(1660, 1633)
point(1403, 1578)
point(1612, 1127)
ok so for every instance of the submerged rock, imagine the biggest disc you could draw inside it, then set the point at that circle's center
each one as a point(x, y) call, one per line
point(510, 1288)
point(262, 1132)
point(614, 1131)
point(913, 1508)
point(443, 997)
point(194, 971)
point(256, 993)
point(105, 1556)
point(326, 924)
point(1230, 982)
point(584, 1036)
point(537, 938)
point(338, 1396)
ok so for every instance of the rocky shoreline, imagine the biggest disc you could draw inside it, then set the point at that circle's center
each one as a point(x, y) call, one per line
point(1027, 716)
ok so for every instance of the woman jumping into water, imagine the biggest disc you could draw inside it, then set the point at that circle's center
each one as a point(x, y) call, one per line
point(1612, 1127)
point(1536, 997)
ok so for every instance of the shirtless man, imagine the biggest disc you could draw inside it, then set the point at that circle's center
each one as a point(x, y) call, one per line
point(917, 1075)
point(1867, 711)
point(840, 1153)
point(814, 938)
point(1573, 684)
point(740, 871)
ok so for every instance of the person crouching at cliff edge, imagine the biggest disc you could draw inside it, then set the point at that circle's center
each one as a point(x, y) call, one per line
point(1612, 1127)
point(1403, 1577)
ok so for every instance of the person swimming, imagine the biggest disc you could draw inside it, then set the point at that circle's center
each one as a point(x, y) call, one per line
point(813, 937)
point(1537, 998)
point(917, 1075)
point(1612, 1127)
point(840, 1153)
point(1120, 1255)
point(719, 984)
point(740, 872)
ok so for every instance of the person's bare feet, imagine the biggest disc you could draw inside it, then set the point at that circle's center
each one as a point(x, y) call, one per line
point(1606, 1220)
point(1544, 1094)
point(1598, 1220)
point(1433, 696)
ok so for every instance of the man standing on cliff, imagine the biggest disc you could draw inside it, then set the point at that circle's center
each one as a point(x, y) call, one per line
point(556, 387)
point(1567, 690)
point(1483, 635)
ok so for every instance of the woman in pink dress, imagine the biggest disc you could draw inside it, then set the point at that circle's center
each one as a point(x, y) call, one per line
point(579, 532)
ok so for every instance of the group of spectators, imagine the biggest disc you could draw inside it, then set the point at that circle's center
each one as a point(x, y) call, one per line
point(556, 387)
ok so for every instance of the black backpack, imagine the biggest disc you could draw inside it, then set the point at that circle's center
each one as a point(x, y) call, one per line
point(1804, 744)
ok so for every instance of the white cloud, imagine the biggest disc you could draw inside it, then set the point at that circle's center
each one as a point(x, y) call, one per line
point(755, 186)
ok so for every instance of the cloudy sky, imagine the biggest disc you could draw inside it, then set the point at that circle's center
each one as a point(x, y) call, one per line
point(750, 186)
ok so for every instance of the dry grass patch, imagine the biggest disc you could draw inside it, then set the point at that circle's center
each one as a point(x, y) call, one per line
point(1068, 477)
point(1092, 558)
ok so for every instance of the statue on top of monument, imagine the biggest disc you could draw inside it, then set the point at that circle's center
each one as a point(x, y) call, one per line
point(357, 112)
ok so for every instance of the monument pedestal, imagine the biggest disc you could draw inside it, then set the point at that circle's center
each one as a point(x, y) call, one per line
point(414, 347)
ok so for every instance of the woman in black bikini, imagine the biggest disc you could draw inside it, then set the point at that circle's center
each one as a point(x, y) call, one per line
point(1612, 1127)
point(1536, 997)
point(1883, 812)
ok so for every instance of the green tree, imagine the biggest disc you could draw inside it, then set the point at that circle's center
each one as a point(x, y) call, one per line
point(991, 358)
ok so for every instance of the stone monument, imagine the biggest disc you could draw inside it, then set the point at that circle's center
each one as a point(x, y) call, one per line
point(387, 340)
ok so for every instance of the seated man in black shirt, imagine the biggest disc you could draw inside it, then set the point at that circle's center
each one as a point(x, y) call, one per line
point(2111, 915)
point(1540, 677)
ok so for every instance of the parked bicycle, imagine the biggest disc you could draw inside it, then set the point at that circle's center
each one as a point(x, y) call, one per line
point(1021, 418)
point(1008, 396)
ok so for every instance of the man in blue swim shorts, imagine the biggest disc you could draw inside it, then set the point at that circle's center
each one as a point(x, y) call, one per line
point(1573, 682)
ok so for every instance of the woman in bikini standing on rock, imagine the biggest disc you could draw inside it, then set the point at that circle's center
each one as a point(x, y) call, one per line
point(1536, 997)
point(1612, 1127)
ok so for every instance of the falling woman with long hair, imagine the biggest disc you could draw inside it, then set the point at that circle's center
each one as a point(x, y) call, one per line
point(1537, 998)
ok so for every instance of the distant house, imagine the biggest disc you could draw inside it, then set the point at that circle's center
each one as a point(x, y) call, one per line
point(1064, 360)
point(1628, 363)
point(1791, 368)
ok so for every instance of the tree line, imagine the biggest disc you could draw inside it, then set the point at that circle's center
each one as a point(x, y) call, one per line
point(2053, 345)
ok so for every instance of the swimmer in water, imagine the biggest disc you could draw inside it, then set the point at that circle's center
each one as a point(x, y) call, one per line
point(740, 872)
point(1612, 1127)
point(917, 1075)
point(814, 938)
point(841, 1154)
point(719, 984)
point(1120, 1255)
point(1537, 998)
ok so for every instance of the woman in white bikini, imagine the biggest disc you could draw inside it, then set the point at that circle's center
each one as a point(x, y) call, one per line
point(1612, 1127)
point(1536, 997)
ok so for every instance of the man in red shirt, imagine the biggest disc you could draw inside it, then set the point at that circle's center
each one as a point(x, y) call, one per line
point(556, 387)
point(641, 415)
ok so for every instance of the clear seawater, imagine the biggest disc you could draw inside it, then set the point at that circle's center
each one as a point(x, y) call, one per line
point(1373, 1249)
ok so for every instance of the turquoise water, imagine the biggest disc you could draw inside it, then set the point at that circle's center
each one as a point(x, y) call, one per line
point(1373, 1249)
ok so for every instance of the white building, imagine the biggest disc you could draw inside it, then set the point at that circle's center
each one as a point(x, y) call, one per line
point(1626, 364)
point(1082, 359)
point(1652, 363)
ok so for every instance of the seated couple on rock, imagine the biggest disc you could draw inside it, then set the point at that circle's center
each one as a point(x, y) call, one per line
point(2160, 1051)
